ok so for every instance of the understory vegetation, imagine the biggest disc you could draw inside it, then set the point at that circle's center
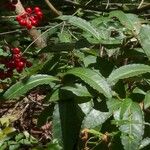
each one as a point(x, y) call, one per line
point(74, 75)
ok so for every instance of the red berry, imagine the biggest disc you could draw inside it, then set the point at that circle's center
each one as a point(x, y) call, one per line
point(16, 50)
point(34, 22)
point(31, 18)
point(36, 9)
point(29, 26)
point(39, 14)
point(20, 64)
point(18, 18)
point(19, 70)
point(17, 61)
point(23, 22)
point(24, 15)
point(29, 10)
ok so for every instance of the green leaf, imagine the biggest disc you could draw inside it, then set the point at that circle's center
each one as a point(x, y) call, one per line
point(19, 136)
point(144, 39)
point(78, 90)
point(14, 147)
point(8, 130)
point(95, 118)
point(127, 71)
point(147, 100)
point(73, 90)
point(71, 118)
point(56, 128)
point(53, 145)
point(133, 127)
point(3, 53)
point(113, 104)
point(145, 142)
point(82, 24)
point(139, 91)
point(93, 79)
point(86, 107)
point(57, 48)
point(64, 37)
point(5, 132)
point(54, 96)
point(89, 60)
point(25, 85)
point(130, 21)
point(25, 142)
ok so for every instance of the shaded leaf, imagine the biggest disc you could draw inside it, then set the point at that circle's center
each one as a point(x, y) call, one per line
point(71, 118)
point(45, 115)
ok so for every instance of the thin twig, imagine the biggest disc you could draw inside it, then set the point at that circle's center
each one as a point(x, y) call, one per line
point(88, 2)
point(52, 8)
point(63, 26)
point(18, 30)
point(108, 2)
point(8, 17)
point(9, 32)
point(41, 36)
point(73, 35)
point(141, 3)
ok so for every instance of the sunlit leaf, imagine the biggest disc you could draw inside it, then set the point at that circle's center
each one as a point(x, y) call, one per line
point(127, 71)
point(82, 24)
point(25, 85)
point(93, 79)
point(144, 39)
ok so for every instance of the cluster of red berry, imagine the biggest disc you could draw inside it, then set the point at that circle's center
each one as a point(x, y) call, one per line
point(30, 18)
point(16, 61)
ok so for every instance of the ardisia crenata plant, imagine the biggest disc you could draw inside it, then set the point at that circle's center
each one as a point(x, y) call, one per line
point(93, 63)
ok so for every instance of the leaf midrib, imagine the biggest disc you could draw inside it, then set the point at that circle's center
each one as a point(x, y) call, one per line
point(111, 78)
point(28, 85)
point(91, 81)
